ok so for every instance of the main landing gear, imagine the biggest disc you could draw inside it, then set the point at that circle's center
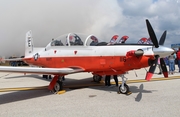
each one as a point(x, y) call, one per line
point(97, 78)
point(56, 84)
point(124, 88)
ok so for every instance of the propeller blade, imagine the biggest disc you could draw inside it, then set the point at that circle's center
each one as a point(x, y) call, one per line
point(152, 69)
point(164, 68)
point(162, 39)
point(152, 34)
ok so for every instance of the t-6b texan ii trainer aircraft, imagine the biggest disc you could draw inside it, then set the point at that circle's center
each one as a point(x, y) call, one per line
point(71, 54)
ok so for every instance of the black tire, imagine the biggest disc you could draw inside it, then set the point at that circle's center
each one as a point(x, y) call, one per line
point(126, 89)
point(58, 86)
point(97, 78)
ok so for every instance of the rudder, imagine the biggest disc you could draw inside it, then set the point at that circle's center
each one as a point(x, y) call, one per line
point(28, 43)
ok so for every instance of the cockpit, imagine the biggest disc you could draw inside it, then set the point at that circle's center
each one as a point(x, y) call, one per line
point(57, 43)
point(73, 39)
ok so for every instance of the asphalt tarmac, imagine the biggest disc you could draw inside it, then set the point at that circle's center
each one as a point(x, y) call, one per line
point(27, 95)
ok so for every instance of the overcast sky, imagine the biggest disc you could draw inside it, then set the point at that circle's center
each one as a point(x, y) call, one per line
point(104, 18)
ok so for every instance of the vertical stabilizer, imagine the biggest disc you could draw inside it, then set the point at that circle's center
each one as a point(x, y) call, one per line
point(28, 43)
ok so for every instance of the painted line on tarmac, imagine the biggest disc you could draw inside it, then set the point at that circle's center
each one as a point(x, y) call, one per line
point(22, 88)
point(153, 79)
point(86, 85)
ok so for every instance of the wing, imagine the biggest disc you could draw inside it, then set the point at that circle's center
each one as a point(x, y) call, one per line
point(37, 70)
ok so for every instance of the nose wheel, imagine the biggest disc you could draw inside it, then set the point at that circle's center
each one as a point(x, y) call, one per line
point(124, 89)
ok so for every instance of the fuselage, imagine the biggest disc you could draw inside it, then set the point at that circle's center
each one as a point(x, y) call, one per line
point(92, 58)
point(76, 51)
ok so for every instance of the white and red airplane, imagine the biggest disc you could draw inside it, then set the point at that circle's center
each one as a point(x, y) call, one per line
point(72, 53)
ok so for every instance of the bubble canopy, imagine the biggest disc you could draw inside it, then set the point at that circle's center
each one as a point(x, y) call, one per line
point(75, 39)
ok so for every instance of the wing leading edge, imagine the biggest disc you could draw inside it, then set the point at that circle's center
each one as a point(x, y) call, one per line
point(37, 70)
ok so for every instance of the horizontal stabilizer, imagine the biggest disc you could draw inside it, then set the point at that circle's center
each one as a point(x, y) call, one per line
point(14, 59)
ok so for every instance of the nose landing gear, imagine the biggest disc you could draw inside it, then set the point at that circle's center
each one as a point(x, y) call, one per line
point(124, 88)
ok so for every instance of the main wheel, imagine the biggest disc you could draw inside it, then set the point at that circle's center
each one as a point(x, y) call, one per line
point(125, 90)
point(58, 86)
point(97, 78)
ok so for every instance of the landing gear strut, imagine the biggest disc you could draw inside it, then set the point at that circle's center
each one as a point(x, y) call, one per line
point(124, 88)
point(97, 78)
point(56, 84)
